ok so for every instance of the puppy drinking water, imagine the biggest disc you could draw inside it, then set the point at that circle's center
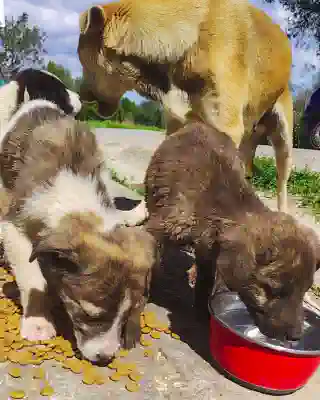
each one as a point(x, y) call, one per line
point(62, 232)
point(197, 194)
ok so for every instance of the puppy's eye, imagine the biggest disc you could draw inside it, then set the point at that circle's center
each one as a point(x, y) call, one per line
point(266, 257)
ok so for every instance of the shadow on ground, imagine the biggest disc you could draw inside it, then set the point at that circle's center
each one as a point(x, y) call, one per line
point(170, 289)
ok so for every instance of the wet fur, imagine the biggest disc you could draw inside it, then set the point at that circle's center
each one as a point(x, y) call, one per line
point(177, 53)
point(197, 194)
point(91, 262)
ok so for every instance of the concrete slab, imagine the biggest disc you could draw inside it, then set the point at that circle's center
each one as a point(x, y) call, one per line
point(129, 151)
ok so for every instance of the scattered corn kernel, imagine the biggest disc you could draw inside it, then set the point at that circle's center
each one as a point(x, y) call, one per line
point(88, 379)
point(155, 335)
point(162, 328)
point(175, 336)
point(146, 330)
point(21, 351)
point(135, 376)
point(15, 372)
point(113, 365)
point(17, 394)
point(132, 386)
point(115, 377)
point(47, 390)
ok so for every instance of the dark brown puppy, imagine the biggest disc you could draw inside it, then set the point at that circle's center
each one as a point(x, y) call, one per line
point(197, 194)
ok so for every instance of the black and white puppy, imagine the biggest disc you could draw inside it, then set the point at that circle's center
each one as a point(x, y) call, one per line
point(34, 84)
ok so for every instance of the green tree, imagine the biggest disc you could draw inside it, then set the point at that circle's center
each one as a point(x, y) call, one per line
point(150, 113)
point(22, 45)
point(77, 83)
point(62, 73)
point(306, 17)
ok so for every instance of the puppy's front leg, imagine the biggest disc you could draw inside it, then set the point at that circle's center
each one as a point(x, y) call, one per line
point(203, 285)
point(132, 329)
point(36, 323)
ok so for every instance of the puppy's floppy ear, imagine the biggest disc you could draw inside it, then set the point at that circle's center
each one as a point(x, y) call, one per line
point(92, 20)
point(237, 266)
point(314, 240)
point(235, 261)
point(58, 244)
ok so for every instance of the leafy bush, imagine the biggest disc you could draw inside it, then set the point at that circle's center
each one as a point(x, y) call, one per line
point(303, 183)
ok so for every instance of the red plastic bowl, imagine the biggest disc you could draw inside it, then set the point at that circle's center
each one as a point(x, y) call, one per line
point(258, 362)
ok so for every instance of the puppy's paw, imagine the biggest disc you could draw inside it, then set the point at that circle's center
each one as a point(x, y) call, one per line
point(136, 216)
point(131, 334)
point(133, 219)
point(37, 328)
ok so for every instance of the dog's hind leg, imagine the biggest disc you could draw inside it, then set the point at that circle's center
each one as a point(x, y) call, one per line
point(279, 128)
point(36, 323)
point(248, 148)
point(282, 141)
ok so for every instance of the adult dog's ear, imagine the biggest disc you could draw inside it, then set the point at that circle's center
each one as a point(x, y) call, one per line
point(92, 20)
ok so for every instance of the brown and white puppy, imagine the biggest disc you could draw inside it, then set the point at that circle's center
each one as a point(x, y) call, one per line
point(215, 59)
point(197, 194)
point(62, 233)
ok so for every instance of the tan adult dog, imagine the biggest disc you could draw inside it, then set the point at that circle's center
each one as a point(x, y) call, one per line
point(223, 61)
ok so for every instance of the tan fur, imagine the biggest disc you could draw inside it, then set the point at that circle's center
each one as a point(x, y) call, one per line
point(223, 54)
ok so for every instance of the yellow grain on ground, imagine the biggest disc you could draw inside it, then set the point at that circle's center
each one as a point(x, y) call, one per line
point(19, 351)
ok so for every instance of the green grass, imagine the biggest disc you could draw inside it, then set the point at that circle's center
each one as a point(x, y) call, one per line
point(124, 182)
point(113, 124)
point(316, 290)
point(304, 184)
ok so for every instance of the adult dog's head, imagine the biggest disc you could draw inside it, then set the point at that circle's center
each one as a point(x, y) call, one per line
point(271, 263)
point(102, 279)
point(129, 45)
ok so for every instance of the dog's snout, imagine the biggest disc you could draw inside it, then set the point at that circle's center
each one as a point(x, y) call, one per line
point(103, 359)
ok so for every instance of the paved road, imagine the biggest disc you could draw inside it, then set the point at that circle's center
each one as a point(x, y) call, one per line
point(129, 151)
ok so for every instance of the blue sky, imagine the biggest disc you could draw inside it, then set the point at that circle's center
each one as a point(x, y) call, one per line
point(59, 19)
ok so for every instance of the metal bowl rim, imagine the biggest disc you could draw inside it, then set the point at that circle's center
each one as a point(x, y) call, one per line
point(278, 349)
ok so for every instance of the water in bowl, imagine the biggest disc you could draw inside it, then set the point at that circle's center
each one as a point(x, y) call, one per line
point(240, 321)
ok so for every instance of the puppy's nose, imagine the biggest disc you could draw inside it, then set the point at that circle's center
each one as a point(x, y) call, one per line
point(103, 359)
